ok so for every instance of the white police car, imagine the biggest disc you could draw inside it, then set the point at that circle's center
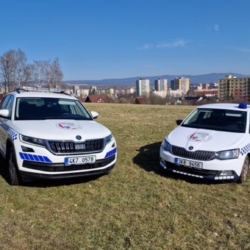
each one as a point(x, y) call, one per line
point(213, 142)
point(52, 136)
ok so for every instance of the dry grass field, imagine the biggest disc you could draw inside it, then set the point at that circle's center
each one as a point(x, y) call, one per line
point(135, 206)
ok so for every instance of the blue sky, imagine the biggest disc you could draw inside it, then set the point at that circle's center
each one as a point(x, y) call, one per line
point(101, 39)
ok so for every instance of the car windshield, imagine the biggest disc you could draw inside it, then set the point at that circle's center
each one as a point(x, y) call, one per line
point(40, 108)
point(217, 119)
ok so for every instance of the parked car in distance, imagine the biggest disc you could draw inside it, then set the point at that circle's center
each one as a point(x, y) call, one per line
point(52, 136)
point(213, 142)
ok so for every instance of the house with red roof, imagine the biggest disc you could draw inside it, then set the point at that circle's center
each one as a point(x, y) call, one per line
point(99, 99)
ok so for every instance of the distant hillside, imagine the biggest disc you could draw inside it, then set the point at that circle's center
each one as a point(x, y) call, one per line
point(194, 79)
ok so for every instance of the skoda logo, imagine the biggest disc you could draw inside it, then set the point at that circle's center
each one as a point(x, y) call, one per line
point(191, 148)
point(78, 137)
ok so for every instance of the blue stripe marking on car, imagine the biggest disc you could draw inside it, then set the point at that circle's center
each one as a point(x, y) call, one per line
point(40, 158)
point(13, 134)
point(31, 157)
point(66, 161)
point(37, 158)
point(46, 159)
point(110, 153)
point(25, 156)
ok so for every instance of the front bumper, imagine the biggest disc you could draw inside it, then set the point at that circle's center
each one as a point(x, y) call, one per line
point(60, 167)
point(38, 167)
point(197, 173)
point(212, 170)
point(32, 175)
point(39, 163)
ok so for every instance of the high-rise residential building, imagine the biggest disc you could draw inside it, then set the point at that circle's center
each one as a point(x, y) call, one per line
point(93, 90)
point(235, 88)
point(182, 84)
point(161, 84)
point(76, 89)
point(143, 87)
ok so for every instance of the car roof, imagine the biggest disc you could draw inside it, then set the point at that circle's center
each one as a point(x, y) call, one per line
point(18, 93)
point(228, 106)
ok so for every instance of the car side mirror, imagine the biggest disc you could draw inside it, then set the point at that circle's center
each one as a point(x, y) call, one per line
point(4, 112)
point(178, 122)
point(94, 114)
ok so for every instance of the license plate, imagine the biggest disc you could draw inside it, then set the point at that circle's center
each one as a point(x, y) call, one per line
point(188, 163)
point(79, 160)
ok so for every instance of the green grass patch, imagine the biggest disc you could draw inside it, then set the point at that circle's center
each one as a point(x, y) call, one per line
point(135, 206)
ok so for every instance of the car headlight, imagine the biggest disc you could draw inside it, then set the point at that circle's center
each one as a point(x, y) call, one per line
point(227, 154)
point(32, 140)
point(166, 145)
point(108, 139)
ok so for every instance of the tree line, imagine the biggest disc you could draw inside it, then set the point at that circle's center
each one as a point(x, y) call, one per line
point(16, 72)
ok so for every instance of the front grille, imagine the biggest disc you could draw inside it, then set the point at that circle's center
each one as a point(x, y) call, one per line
point(62, 147)
point(196, 155)
point(59, 167)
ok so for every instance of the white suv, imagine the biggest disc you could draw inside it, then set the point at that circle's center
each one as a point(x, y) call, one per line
point(213, 142)
point(51, 136)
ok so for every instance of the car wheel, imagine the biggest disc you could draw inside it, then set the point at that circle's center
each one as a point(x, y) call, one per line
point(244, 171)
point(13, 175)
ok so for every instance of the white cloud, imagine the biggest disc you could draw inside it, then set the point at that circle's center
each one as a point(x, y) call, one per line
point(177, 43)
point(216, 27)
point(146, 46)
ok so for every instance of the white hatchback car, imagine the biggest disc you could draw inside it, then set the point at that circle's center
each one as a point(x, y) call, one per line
point(213, 142)
point(52, 136)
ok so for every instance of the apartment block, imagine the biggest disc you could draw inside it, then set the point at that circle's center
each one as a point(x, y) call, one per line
point(235, 88)
point(182, 84)
point(143, 87)
point(161, 84)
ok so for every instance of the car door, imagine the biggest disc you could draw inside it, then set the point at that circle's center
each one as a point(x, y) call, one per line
point(7, 103)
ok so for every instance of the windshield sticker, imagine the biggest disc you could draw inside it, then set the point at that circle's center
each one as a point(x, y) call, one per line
point(68, 126)
point(199, 137)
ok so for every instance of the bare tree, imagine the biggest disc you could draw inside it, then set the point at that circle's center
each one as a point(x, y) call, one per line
point(57, 72)
point(12, 68)
point(156, 99)
point(15, 72)
point(21, 73)
point(47, 72)
point(27, 75)
point(39, 71)
point(7, 69)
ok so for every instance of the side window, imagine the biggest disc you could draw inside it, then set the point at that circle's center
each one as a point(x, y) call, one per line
point(5, 101)
point(10, 105)
point(78, 111)
point(72, 108)
point(194, 118)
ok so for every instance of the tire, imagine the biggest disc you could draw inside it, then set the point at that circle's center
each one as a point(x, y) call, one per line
point(244, 171)
point(13, 175)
